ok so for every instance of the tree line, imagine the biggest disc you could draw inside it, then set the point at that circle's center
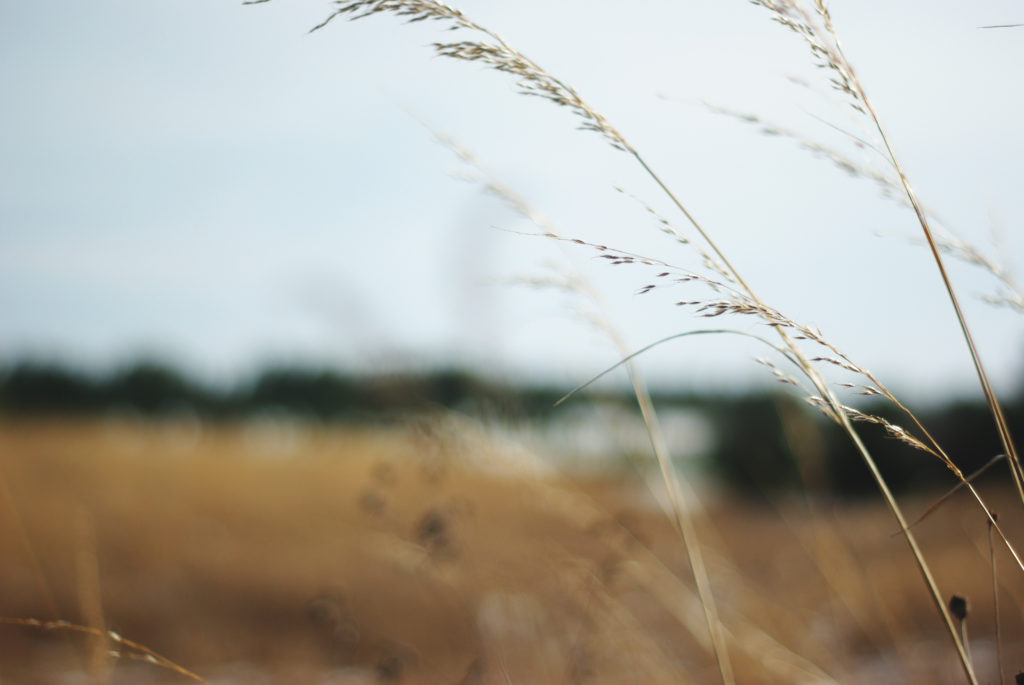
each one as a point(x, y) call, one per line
point(764, 441)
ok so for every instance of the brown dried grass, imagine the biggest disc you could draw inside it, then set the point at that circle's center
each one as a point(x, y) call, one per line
point(533, 595)
point(377, 555)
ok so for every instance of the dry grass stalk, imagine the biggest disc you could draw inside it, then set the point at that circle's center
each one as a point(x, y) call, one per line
point(90, 599)
point(798, 19)
point(995, 601)
point(680, 506)
point(825, 45)
point(956, 488)
point(493, 52)
point(1008, 292)
point(816, 28)
point(136, 650)
point(740, 303)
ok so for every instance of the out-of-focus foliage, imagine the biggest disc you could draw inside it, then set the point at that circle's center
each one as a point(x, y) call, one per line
point(762, 442)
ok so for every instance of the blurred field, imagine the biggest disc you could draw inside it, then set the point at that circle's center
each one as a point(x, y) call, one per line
point(278, 553)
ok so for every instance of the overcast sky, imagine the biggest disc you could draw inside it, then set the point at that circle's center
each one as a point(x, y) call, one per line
point(206, 183)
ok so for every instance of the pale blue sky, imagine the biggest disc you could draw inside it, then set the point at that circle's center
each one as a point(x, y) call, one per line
point(205, 182)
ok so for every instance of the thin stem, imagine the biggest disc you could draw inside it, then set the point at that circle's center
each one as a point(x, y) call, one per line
point(995, 598)
point(675, 336)
point(536, 81)
point(844, 421)
point(990, 397)
point(684, 525)
point(148, 654)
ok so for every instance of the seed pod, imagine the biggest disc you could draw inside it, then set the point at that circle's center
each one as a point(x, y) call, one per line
point(958, 607)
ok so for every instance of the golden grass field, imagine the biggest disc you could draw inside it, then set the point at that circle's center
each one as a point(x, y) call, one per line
point(281, 553)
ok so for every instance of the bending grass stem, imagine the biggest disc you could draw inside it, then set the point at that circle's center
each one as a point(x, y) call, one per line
point(844, 421)
point(990, 397)
point(536, 81)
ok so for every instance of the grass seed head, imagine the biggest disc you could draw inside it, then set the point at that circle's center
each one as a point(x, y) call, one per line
point(958, 607)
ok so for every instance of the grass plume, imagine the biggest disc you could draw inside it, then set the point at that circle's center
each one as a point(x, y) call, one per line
point(731, 294)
